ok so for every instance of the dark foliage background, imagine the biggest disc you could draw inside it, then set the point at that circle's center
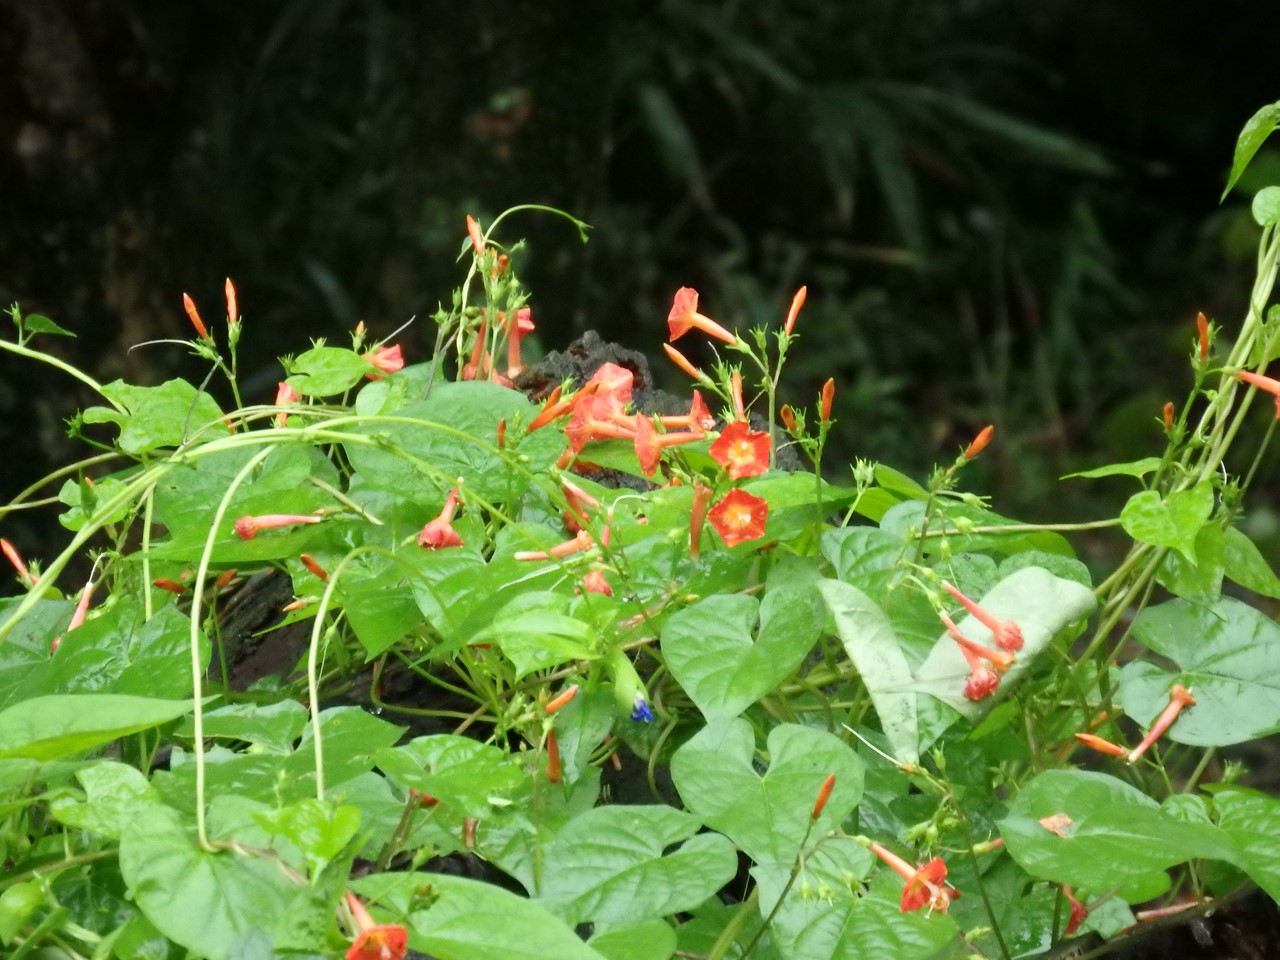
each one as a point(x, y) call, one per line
point(1004, 211)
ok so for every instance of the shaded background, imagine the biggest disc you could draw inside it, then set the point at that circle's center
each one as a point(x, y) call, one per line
point(1005, 212)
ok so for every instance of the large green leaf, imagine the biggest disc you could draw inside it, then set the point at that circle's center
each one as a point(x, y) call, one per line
point(24, 653)
point(1244, 564)
point(861, 927)
point(205, 901)
point(1173, 521)
point(869, 639)
point(460, 771)
point(767, 815)
point(325, 371)
point(113, 793)
point(1253, 823)
point(450, 439)
point(62, 725)
point(710, 648)
point(459, 919)
point(164, 416)
point(1228, 656)
point(1260, 126)
point(650, 940)
point(1117, 836)
point(615, 864)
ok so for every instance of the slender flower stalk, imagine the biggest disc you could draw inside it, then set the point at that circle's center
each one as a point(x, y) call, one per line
point(439, 533)
point(796, 303)
point(684, 316)
point(824, 791)
point(925, 885)
point(979, 442)
point(1179, 697)
point(374, 941)
point(1007, 634)
point(247, 528)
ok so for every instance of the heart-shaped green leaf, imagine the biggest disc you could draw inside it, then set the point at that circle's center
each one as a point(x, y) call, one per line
point(1229, 658)
point(710, 649)
point(766, 816)
point(457, 770)
point(1172, 521)
point(608, 865)
point(60, 725)
point(1116, 836)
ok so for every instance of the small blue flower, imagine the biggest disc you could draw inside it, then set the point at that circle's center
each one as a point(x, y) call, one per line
point(641, 712)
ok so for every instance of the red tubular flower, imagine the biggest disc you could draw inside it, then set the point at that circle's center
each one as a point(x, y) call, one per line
point(595, 582)
point(742, 452)
point(1166, 414)
point(15, 558)
point(502, 434)
point(172, 586)
point(553, 409)
point(979, 442)
point(577, 500)
point(796, 303)
point(309, 562)
point(828, 394)
point(824, 791)
point(739, 517)
point(553, 757)
point(386, 360)
point(225, 578)
point(233, 312)
point(1179, 697)
point(1078, 910)
point(925, 885)
point(517, 328)
point(982, 682)
point(478, 359)
point(249, 527)
point(649, 444)
point(1262, 383)
point(439, 532)
point(1102, 745)
point(1202, 330)
point(735, 394)
point(77, 617)
point(697, 514)
point(788, 417)
point(375, 941)
point(201, 330)
point(681, 361)
point(285, 395)
point(582, 540)
point(1007, 634)
point(698, 418)
point(684, 316)
point(473, 231)
point(561, 699)
point(584, 427)
point(999, 660)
